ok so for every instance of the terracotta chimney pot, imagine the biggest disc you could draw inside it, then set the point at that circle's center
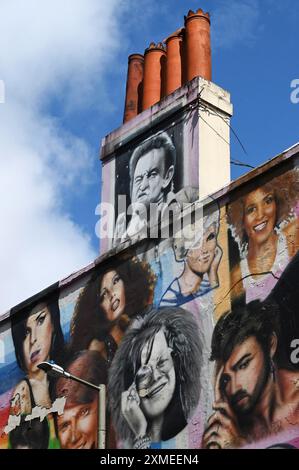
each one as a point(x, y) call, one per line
point(198, 45)
point(174, 66)
point(133, 102)
point(154, 75)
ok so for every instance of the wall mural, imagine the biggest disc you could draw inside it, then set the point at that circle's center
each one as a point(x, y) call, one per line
point(196, 339)
point(151, 177)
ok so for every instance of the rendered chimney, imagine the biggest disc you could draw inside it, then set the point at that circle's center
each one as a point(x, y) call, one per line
point(198, 45)
point(174, 66)
point(133, 103)
point(154, 75)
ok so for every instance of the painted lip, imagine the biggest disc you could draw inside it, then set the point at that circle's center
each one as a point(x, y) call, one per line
point(155, 390)
point(34, 356)
point(261, 226)
point(241, 400)
point(115, 304)
point(81, 446)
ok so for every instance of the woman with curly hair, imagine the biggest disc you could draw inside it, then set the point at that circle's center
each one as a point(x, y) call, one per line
point(111, 298)
point(264, 224)
point(154, 379)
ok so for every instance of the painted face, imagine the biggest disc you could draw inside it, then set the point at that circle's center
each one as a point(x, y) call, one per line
point(77, 426)
point(38, 337)
point(156, 377)
point(112, 295)
point(259, 215)
point(149, 179)
point(244, 376)
point(200, 257)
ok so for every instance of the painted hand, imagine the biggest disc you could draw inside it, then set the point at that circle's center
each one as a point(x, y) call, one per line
point(222, 431)
point(130, 407)
point(213, 271)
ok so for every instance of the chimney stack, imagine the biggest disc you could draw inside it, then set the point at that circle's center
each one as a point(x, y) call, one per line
point(162, 71)
point(175, 61)
point(154, 75)
point(133, 103)
point(198, 45)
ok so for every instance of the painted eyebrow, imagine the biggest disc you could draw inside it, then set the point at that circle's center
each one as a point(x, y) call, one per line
point(156, 169)
point(41, 313)
point(149, 351)
point(153, 169)
point(235, 366)
point(268, 194)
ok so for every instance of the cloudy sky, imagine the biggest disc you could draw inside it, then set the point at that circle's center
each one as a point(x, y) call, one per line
point(64, 63)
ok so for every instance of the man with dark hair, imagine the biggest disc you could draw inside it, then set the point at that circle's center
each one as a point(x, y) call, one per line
point(151, 167)
point(253, 398)
point(77, 426)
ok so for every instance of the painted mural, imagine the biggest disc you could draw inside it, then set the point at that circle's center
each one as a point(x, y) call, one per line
point(151, 178)
point(196, 336)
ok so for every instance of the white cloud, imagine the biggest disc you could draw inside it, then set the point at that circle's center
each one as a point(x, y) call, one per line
point(235, 22)
point(48, 49)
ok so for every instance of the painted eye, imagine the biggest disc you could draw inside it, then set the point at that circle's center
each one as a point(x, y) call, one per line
point(41, 320)
point(250, 210)
point(269, 199)
point(84, 412)
point(63, 427)
point(244, 365)
point(103, 295)
point(225, 379)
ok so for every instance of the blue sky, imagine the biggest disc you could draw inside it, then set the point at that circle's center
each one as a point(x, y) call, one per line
point(64, 67)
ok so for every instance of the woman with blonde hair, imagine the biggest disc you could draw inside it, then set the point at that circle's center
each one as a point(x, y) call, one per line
point(197, 247)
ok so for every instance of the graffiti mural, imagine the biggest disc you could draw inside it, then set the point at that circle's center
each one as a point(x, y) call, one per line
point(111, 298)
point(154, 172)
point(264, 224)
point(152, 392)
point(149, 172)
point(196, 336)
point(253, 397)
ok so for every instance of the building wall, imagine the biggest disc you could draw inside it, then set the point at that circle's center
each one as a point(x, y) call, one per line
point(195, 119)
point(163, 301)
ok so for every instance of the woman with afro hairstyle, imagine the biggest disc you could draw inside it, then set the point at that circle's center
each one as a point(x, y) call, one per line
point(111, 298)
